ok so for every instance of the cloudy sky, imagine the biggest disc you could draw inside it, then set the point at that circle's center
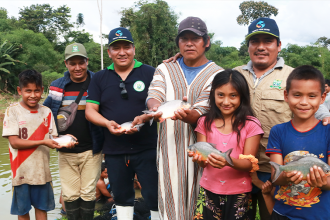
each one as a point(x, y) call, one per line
point(300, 22)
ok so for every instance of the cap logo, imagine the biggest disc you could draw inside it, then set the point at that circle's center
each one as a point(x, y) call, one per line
point(119, 33)
point(260, 24)
point(75, 48)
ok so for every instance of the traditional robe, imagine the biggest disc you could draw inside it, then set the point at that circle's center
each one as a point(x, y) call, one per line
point(178, 175)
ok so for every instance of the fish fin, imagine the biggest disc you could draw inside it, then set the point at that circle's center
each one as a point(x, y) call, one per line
point(151, 120)
point(147, 112)
point(296, 157)
point(213, 145)
point(228, 158)
point(161, 120)
point(277, 170)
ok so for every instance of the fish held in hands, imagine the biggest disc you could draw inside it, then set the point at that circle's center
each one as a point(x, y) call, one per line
point(301, 164)
point(168, 108)
point(128, 126)
point(64, 140)
point(205, 149)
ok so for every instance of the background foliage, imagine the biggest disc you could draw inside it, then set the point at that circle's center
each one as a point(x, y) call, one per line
point(39, 34)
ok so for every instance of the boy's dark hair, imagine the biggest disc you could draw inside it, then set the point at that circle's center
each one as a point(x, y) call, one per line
point(242, 113)
point(205, 39)
point(103, 167)
point(327, 81)
point(306, 72)
point(29, 76)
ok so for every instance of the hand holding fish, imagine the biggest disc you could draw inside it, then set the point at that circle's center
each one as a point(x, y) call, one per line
point(294, 177)
point(316, 177)
point(67, 141)
point(217, 161)
point(51, 144)
point(114, 128)
point(197, 158)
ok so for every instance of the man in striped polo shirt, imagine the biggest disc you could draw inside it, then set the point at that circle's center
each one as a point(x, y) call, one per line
point(80, 166)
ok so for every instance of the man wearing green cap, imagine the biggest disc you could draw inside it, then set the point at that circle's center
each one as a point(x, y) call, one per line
point(79, 167)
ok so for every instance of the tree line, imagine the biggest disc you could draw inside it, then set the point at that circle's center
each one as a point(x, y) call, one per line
point(37, 38)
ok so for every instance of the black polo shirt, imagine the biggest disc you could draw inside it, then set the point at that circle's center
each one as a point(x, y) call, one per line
point(104, 90)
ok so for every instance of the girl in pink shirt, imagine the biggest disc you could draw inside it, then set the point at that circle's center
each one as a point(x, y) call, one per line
point(225, 190)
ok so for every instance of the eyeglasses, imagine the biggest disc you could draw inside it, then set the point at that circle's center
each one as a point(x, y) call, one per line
point(123, 92)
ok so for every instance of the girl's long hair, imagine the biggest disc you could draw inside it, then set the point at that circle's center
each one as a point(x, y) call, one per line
point(240, 116)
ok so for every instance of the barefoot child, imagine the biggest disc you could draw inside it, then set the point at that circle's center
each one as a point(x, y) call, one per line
point(298, 196)
point(101, 187)
point(225, 190)
point(27, 126)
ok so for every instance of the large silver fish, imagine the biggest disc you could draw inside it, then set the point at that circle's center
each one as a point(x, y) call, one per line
point(302, 164)
point(205, 149)
point(168, 108)
point(127, 126)
point(64, 140)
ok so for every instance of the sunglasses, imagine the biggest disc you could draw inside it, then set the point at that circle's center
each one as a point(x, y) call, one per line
point(123, 92)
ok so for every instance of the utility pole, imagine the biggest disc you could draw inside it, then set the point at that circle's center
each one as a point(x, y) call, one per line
point(101, 37)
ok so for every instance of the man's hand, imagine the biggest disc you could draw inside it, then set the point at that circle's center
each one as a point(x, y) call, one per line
point(316, 177)
point(173, 59)
point(293, 177)
point(51, 144)
point(181, 114)
point(197, 158)
point(132, 130)
point(72, 144)
point(113, 128)
point(326, 121)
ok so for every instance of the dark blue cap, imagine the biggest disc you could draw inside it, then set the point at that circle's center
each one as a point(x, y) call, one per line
point(118, 34)
point(263, 26)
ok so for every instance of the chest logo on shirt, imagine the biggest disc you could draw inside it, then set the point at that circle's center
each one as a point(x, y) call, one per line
point(139, 86)
point(276, 84)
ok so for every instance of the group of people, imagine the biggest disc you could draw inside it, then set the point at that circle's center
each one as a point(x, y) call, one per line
point(265, 111)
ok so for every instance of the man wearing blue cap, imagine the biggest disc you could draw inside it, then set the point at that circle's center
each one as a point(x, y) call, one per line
point(117, 95)
point(266, 75)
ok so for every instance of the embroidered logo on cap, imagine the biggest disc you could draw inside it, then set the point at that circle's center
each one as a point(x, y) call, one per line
point(119, 33)
point(139, 86)
point(75, 48)
point(260, 24)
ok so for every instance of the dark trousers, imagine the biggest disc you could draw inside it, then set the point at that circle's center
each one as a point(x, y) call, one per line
point(263, 211)
point(121, 171)
point(276, 216)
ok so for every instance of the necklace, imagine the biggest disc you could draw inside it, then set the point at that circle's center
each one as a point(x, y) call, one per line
point(225, 143)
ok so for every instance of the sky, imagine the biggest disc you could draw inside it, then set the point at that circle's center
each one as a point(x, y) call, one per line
point(300, 22)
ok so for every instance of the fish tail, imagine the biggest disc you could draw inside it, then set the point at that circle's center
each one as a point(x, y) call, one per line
point(277, 170)
point(228, 158)
point(151, 120)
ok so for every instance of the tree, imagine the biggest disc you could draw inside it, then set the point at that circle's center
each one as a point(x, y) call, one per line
point(7, 53)
point(154, 28)
point(48, 77)
point(44, 19)
point(323, 41)
point(252, 10)
point(80, 19)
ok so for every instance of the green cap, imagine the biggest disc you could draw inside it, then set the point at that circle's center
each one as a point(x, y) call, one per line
point(75, 49)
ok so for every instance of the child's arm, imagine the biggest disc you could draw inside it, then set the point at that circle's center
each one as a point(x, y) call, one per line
point(268, 194)
point(103, 188)
point(255, 180)
point(18, 143)
point(251, 147)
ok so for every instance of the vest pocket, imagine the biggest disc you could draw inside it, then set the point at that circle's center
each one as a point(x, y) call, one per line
point(273, 101)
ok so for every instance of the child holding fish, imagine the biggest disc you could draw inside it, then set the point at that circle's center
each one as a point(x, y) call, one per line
point(301, 149)
point(230, 127)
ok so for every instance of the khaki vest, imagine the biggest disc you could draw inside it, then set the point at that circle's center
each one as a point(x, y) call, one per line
point(267, 101)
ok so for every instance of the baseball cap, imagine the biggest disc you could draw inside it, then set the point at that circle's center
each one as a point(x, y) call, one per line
point(193, 24)
point(75, 49)
point(118, 34)
point(263, 26)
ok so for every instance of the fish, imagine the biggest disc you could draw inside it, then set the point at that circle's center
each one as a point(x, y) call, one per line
point(205, 149)
point(168, 108)
point(301, 164)
point(64, 140)
point(127, 126)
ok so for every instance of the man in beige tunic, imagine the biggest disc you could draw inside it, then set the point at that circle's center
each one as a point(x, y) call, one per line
point(189, 77)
